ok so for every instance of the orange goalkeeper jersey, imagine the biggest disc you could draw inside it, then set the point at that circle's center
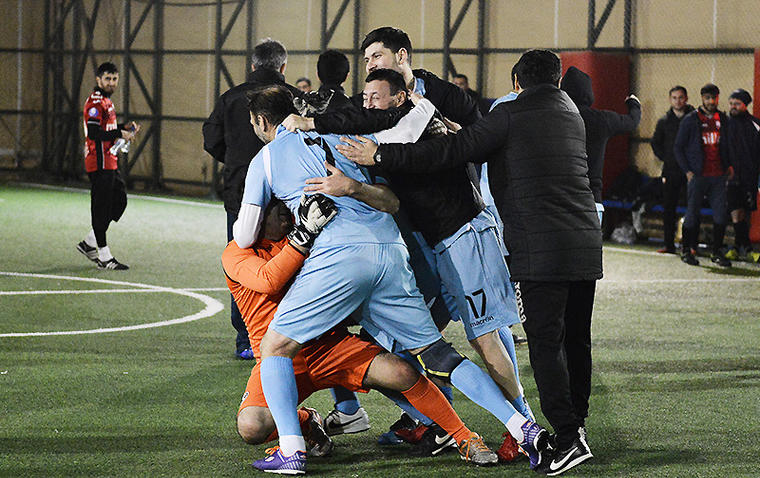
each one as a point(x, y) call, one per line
point(258, 278)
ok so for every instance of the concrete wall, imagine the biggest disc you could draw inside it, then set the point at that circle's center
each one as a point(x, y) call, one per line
point(188, 80)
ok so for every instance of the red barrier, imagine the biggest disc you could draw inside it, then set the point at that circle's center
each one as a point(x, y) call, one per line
point(610, 76)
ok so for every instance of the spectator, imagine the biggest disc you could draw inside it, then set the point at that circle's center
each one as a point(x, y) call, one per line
point(303, 84)
point(743, 150)
point(673, 179)
point(332, 70)
point(600, 125)
point(701, 155)
point(464, 83)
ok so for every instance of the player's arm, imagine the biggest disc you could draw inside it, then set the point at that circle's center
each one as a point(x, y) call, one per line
point(378, 196)
point(257, 192)
point(658, 140)
point(410, 127)
point(256, 273)
point(618, 123)
point(477, 142)
point(246, 228)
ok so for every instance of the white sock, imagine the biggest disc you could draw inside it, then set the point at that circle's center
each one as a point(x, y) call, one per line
point(514, 425)
point(104, 254)
point(290, 444)
point(90, 239)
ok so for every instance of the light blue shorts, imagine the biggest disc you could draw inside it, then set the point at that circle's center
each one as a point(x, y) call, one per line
point(600, 211)
point(499, 227)
point(376, 278)
point(472, 268)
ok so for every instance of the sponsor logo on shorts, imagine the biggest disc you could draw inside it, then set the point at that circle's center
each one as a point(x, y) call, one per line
point(482, 321)
point(518, 299)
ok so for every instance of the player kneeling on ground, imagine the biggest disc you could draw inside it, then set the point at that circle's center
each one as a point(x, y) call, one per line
point(258, 278)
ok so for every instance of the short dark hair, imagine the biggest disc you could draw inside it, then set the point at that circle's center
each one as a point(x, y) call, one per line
point(106, 67)
point(394, 78)
point(538, 67)
point(332, 67)
point(269, 55)
point(512, 74)
point(709, 89)
point(391, 38)
point(678, 88)
point(464, 77)
point(274, 103)
point(303, 78)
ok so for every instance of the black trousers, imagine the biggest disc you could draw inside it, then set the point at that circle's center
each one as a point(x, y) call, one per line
point(671, 193)
point(557, 321)
point(241, 341)
point(108, 200)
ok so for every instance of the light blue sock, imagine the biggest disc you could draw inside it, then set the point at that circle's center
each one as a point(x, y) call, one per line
point(505, 334)
point(481, 389)
point(399, 399)
point(346, 401)
point(279, 384)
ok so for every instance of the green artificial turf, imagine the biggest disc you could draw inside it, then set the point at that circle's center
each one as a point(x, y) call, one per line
point(676, 359)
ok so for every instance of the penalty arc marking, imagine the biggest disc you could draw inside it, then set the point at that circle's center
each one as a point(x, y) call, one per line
point(213, 306)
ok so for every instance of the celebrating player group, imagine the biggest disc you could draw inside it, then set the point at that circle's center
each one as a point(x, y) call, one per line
point(369, 211)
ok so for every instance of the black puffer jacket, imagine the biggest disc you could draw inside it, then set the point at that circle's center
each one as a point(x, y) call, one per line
point(600, 125)
point(743, 148)
point(536, 150)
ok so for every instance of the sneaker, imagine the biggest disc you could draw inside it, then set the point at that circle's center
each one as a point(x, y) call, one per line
point(732, 254)
point(667, 250)
point(720, 260)
point(474, 450)
point(412, 435)
point(689, 258)
point(337, 422)
point(519, 340)
point(111, 264)
point(89, 252)
point(753, 256)
point(403, 424)
point(319, 443)
point(389, 438)
point(508, 451)
point(276, 462)
point(434, 441)
point(246, 354)
point(535, 442)
point(575, 454)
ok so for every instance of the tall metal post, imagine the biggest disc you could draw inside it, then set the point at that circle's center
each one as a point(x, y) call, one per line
point(591, 22)
point(158, 75)
point(481, 80)
point(446, 39)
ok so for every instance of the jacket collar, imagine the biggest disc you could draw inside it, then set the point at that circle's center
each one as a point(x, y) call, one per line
point(265, 76)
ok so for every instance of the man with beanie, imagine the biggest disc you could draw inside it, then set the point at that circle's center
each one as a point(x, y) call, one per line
point(673, 179)
point(700, 153)
point(743, 150)
point(600, 125)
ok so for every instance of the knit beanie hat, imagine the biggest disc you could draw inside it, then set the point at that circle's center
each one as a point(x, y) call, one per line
point(741, 95)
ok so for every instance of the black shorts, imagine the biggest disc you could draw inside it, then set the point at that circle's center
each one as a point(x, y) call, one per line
point(741, 197)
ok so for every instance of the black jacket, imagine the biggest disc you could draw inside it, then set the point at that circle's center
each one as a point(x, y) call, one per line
point(228, 135)
point(437, 203)
point(600, 125)
point(743, 149)
point(664, 138)
point(688, 146)
point(536, 150)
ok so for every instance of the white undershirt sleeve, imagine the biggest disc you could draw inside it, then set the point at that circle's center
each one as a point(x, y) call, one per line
point(410, 127)
point(245, 231)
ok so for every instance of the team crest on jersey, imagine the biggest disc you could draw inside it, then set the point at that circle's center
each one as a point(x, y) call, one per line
point(245, 395)
point(93, 111)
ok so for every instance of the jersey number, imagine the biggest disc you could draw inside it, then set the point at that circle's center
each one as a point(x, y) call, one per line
point(471, 301)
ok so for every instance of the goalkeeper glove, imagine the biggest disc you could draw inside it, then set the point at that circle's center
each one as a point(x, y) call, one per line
point(314, 212)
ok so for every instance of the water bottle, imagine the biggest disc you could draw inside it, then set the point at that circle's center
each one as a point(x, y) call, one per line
point(119, 146)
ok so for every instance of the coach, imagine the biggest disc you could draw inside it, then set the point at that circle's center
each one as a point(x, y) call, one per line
point(535, 147)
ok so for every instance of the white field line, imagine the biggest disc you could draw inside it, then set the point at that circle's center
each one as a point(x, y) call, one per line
point(101, 291)
point(677, 281)
point(213, 306)
point(130, 196)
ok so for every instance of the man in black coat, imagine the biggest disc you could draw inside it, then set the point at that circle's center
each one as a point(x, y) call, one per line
point(536, 150)
point(743, 151)
point(600, 125)
point(229, 138)
point(673, 179)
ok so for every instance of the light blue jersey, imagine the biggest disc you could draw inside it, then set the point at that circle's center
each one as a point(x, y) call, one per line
point(358, 260)
point(485, 191)
point(281, 169)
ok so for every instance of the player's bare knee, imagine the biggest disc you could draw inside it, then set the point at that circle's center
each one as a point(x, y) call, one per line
point(276, 344)
point(253, 427)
